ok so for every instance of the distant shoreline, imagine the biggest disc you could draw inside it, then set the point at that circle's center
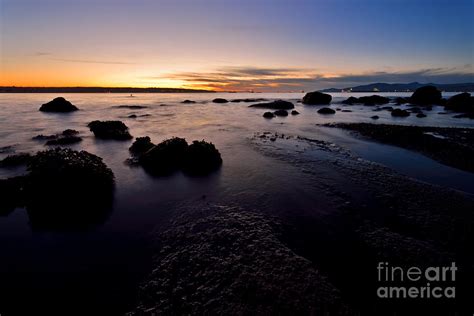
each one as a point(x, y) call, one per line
point(98, 90)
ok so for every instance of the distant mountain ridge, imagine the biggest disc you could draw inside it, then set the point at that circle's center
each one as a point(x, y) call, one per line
point(404, 87)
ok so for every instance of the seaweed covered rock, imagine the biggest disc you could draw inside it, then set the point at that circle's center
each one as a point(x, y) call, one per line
point(141, 145)
point(426, 95)
point(220, 100)
point(462, 102)
point(274, 105)
point(281, 113)
point(326, 111)
point(15, 160)
point(316, 98)
point(110, 130)
point(400, 113)
point(166, 157)
point(201, 158)
point(268, 115)
point(58, 105)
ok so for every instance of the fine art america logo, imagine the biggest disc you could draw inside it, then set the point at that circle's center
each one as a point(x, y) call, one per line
point(434, 282)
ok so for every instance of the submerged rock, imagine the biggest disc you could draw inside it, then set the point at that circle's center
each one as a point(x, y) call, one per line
point(268, 115)
point(421, 115)
point(401, 100)
point(317, 98)
point(400, 113)
point(281, 113)
point(201, 158)
point(326, 111)
point(131, 107)
point(58, 105)
point(15, 160)
point(274, 105)
point(375, 117)
point(248, 100)
point(110, 130)
point(64, 140)
point(220, 100)
point(426, 95)
point(294, 112)
point(188, 102)
point(367, 100)
point(164, 158)
point(141, 145)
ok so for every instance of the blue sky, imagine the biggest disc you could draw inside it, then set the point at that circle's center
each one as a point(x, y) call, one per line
point(241, 45)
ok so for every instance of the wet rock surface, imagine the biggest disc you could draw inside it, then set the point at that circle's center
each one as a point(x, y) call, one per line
point(224, 260)
point(326, 111)
point(451, 146)
point(268, 115)
point(274, 105)
point(220, 100)
point(59, 105)
point(426, 95)
point(281, 113)
point(462, 102)
point(110, 130)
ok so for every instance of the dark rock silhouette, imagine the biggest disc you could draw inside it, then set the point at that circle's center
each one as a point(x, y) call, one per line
point(401, 100)
point(294, 112)
point(462, 102)
point(58, 105)
point(274, 105)
point(132, 116)
point(131, 107)
point(248, 100)
point(317, 98)
point(375, 117)
point(188, 102)
point(400, 113)
point(15, 160)
point(421, 115)
point(64, 140)
point(326, 111)
point(64, 189)
point(166, 157)
point(110, 130)
point(367, 100)
point(12, 194)
point(268, 115)
point(220, 100)
point(201, 158)
point(281, 113)
point(426, 95)
point(141, 145)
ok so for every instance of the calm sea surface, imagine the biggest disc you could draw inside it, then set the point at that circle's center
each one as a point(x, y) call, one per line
point(102, 267)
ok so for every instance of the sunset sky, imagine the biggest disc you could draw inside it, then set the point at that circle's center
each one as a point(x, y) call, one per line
point(261, 45)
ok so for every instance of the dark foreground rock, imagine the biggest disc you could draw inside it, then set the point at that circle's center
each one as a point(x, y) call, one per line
point(316, 98)
point(15, 160)
point(110, 130)
point(274, 105)
point(426, 95)
point(400, 113)
point(228, 261)
point(268, 115)
point(141, 145)
point(220, 100)
point(451, 146)
point(60, 105)
point(294, 112)
point(326, 111)
point(462, 102)
point(174, 154)
point(367, 100)
point(64, 189)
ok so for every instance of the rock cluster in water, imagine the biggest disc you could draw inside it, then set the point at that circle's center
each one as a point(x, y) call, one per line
point(110, 130)
point(67, 137)
point(367, 100)
point(197, 158)
point(58, 105)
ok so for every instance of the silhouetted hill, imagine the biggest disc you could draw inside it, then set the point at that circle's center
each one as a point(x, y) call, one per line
point(95, 90)
point(404, 87)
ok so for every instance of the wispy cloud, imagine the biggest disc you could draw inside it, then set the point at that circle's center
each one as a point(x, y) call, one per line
point(40, 54)
point(286, 79)
point(87, 61)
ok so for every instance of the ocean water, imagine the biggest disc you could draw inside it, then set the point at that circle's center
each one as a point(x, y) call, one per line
point(102, 267)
